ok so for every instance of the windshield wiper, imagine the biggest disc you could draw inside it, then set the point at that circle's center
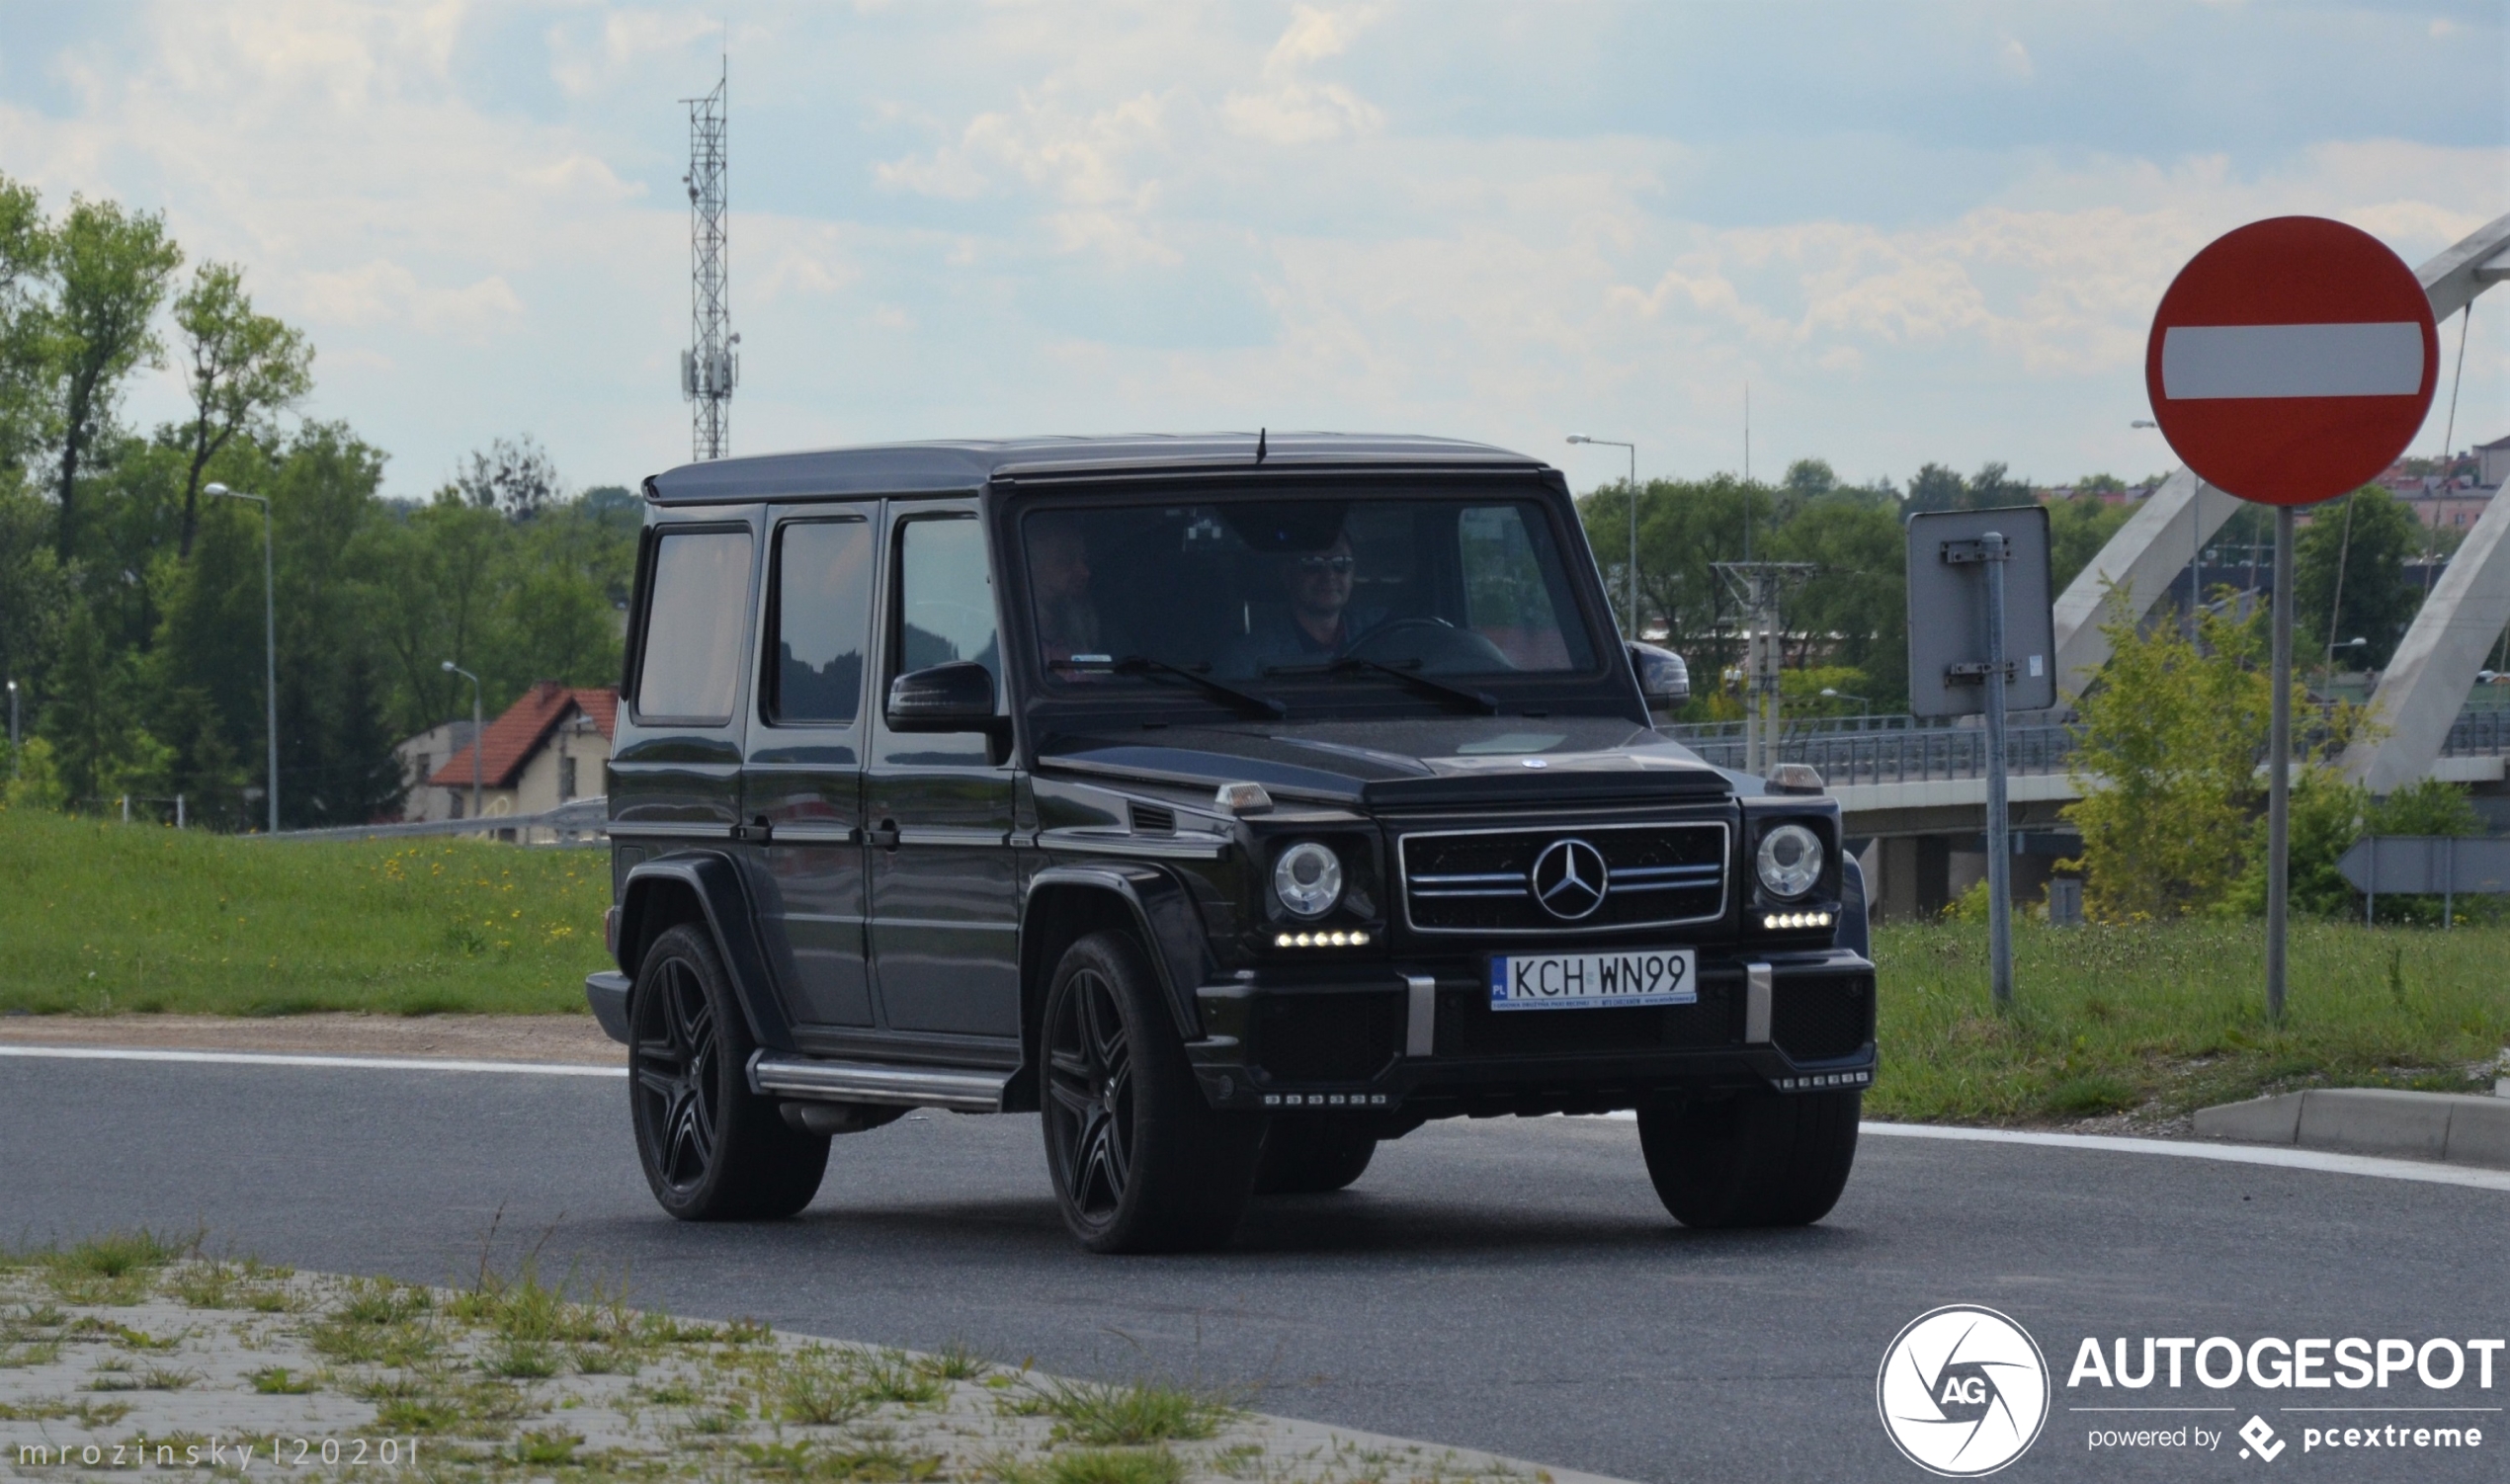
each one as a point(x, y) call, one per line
point(1481, 701)
point(1249, 701)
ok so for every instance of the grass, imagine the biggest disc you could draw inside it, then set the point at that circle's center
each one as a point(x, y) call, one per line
point(103, 916)
point(1124, 1414)
point(2163, 1020)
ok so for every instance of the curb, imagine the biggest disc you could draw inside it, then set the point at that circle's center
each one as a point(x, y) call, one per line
point(2453, 1127)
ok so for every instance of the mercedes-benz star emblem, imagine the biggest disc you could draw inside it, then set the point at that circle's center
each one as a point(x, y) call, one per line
point(1570, 879)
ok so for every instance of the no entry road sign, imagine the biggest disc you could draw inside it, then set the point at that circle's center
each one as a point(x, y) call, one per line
point(2292, 360)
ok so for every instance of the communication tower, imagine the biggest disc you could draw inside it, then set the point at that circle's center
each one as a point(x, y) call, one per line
point(711, 366)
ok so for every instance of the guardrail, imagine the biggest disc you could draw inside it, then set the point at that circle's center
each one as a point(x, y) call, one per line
point(580, 821)
point(1904, 755)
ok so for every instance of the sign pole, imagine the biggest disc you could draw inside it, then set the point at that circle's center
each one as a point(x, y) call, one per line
point(1992, 554)
point(2279, 751)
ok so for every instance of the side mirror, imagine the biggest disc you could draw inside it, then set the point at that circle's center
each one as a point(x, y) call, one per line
point(953, 697)
point(1663, 679)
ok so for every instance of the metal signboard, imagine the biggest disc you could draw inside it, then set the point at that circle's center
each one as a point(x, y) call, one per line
point(1948, 612)
point(2289, 363)
point(2292, 360)
point(2428, 864)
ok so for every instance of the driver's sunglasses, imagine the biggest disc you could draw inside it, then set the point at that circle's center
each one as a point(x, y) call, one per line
point(1338, 565)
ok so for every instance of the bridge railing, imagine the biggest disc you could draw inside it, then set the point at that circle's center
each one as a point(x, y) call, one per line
point(1900, 750)
point(1895, 755)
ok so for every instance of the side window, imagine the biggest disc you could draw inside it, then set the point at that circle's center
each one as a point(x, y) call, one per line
point(823, 607)
point(945, 596)
point(691, 665)
point(1507, 598)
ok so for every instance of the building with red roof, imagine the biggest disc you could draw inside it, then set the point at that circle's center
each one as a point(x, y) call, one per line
point(548, 747)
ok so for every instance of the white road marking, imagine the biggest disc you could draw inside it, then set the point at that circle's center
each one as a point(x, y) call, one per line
point(2207, 363)
point(2237, 1154)
point(276, 1060)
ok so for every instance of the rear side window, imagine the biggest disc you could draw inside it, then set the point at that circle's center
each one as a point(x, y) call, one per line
point(822, 609)
point(692, 650)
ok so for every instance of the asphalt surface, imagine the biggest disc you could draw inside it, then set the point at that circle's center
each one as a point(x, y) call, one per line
point(1510, 1286)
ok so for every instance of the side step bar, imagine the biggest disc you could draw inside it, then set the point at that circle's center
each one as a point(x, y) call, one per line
point(866, 1082)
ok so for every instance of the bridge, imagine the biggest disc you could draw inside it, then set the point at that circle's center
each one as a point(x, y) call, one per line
point(1917, 794)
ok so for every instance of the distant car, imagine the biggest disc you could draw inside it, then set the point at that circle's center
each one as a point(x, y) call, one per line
point(1236, 803)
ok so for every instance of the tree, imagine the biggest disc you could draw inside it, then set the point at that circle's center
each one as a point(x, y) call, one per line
point(2378, 603)
point(2077, 530)
point(26, 261)
point(1993, 486)
point(1854, 608)
point(240, 367)
point(2172, 736)
point(516, 479)
point(111, 268)
point(1935, 487)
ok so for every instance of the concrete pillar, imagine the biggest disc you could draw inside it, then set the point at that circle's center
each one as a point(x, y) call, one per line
point(1915, 883)
point(1963, 870)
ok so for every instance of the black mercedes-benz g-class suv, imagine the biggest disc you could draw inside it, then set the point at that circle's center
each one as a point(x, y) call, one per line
point(1236, 803)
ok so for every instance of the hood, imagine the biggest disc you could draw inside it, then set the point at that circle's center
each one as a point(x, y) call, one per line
point(1412, 763)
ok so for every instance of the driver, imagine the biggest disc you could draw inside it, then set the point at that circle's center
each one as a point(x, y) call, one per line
point(1317, 622)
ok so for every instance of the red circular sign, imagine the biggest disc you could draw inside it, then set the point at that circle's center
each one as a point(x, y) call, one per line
point(2292, 360)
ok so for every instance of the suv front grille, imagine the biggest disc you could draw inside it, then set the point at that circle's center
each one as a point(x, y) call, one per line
point(1480, 880)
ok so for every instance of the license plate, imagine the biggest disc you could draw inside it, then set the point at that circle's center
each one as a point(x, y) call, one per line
point(1570, 981)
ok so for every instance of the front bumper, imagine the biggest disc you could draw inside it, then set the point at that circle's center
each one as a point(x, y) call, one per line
point(1419, 1041)
point(606, 994)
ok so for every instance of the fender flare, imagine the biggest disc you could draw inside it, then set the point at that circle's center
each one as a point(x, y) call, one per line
point(1163, 912)
point(716, 882)
point(1855, 932)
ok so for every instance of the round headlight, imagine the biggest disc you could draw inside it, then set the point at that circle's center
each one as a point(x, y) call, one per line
point(1789, 861)
point(1307, 878)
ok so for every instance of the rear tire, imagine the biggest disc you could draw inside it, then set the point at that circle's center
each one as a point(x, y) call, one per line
point(711, 1149)
point(1756, 1159)
point(1140, 1162)
point(1312, 1156)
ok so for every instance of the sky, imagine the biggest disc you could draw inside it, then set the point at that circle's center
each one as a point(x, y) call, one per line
point(1917, 232)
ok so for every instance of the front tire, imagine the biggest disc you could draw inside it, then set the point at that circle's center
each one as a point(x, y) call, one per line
point(1311, 1157)
point(711, 1149)
point(1140, 1163)
point(1756, 1159)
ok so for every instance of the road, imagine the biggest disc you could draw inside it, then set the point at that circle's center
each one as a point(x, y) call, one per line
point(1510, 1286)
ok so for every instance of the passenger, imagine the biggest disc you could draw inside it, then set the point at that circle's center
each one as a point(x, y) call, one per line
point(1060, 582)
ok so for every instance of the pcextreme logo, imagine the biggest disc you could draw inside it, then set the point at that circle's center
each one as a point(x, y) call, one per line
point(1962, 1391)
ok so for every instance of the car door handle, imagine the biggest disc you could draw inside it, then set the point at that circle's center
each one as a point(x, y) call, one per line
point(884, 834)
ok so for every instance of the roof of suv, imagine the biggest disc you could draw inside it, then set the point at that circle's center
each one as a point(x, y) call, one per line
point(966, 466)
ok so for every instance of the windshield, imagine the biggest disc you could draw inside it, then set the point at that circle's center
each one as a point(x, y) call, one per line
point(1249, 592)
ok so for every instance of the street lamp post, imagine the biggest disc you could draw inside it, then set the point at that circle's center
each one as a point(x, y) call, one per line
point(1864, 704)
point(1614, 442)
point(270, 642)
point(12, 728)
point(477, 737)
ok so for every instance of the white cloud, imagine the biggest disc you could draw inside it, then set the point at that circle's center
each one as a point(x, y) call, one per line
point(1196, 213)
point(1292, 110)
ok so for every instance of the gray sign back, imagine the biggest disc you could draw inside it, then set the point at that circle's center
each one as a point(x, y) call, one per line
point(1948, 612)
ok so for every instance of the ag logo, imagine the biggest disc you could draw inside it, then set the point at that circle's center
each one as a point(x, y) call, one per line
point(1962, 1391)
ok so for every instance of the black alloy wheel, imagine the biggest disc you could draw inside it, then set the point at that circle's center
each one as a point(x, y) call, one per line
point(711, 1149)
point(1090, 1070)
point(1140, 1162)
point(1312, 1156)
point(1754, 1159)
